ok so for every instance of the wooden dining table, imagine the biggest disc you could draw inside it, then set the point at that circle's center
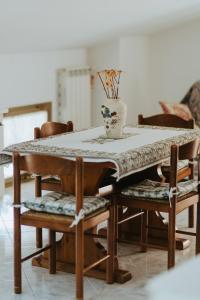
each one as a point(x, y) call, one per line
point(140, 149)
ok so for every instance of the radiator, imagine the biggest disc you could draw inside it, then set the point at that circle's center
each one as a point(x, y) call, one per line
point(74, 97)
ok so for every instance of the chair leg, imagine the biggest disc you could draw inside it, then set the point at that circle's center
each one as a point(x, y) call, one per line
point(52, 252)
point(17, 252)
point(119, 214)
point(39, 237)
point(198, 229)
point(171, 238)
point(79, 260)
point(111, 240)
point(144, 231)
point(191, 216)
point(38, 193)
point(116, 218)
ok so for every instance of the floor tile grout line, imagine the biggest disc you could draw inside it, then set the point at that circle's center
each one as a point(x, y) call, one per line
point(29, 284)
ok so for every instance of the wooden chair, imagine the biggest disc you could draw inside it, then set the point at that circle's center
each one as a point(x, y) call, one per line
point(167, 120)
point(46, 130)
point(171, 198)
point(184, 170)
point(48, 183)
point(57, 218)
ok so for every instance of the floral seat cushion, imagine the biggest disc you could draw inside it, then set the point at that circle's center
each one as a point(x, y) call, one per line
point(181, 164)
point(158, 190)
point(5, 159)
point(65, 204)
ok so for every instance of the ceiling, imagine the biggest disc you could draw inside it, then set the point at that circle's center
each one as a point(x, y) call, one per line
point(42, 25)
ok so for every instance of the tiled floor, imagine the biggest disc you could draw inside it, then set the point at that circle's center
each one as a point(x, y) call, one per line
point(38, 284)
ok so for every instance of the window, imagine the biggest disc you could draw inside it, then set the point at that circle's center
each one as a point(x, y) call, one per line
point(19, 125)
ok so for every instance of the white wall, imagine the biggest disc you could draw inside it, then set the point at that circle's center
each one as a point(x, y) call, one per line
point(161, 66)
point(31, 78)
point(174, 62)
point(130, 54)
point(133, 61)
point(100, 57)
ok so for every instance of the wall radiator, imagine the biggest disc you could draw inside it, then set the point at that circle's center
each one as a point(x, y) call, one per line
point(74, 97)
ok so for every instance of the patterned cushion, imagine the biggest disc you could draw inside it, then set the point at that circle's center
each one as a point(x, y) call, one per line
point(5, 159)
point(181, 164)
point(157, 190)
point(64, 204)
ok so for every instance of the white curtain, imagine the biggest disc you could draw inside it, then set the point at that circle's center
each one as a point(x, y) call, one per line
point(74, 97)
point(20, 128)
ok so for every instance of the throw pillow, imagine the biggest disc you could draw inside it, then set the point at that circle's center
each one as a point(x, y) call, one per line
point(178, 109)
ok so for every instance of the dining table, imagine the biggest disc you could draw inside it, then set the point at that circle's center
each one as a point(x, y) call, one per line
point(140, 149)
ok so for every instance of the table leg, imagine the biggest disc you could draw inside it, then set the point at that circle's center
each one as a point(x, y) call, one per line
point(94, 250)
point(157, 233)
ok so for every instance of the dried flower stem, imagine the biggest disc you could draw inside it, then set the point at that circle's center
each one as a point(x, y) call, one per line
point(110, 80)
point(103, 85)
point(118, 84)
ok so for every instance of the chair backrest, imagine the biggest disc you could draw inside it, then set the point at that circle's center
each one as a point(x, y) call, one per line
point(52, 128)
point(167, 120)
point(45, 165)
point(66, 169)
point(188, 151)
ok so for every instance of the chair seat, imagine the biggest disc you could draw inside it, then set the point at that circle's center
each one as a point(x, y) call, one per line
point(64, 204)
point(158, 190)
point(181, 164)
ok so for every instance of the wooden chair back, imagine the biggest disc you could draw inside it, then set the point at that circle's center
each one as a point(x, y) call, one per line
point(49, 129)
point(188, 151)
point(52, 128)
point(167, 120)
point(43, 165)
point(46, 165)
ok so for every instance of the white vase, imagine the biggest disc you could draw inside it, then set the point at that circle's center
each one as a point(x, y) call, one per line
point(114, 112)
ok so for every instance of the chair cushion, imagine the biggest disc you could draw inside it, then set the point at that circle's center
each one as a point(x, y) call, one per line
point(64, 204)
point(181, 164)
point(158, 190)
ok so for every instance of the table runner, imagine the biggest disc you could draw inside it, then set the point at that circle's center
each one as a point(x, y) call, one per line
point(141, 147)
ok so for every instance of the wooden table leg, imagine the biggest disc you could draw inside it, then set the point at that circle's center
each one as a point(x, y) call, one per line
point(130, 230)
point(65, 250)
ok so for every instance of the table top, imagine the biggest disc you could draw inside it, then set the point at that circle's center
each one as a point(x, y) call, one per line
point(139, 148)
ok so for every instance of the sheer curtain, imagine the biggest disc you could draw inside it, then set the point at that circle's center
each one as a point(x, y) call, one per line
point(20, 128)
point(74, 97)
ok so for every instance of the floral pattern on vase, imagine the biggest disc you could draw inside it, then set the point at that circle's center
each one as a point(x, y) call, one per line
point(114, 117)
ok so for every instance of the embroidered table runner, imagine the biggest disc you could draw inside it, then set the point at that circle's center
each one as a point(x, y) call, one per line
point(139, 148)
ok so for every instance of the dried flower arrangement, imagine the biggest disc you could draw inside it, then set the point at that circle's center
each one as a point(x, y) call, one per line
point(110, 80)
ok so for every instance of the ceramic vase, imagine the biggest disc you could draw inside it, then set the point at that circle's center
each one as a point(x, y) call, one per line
point(114, 112)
